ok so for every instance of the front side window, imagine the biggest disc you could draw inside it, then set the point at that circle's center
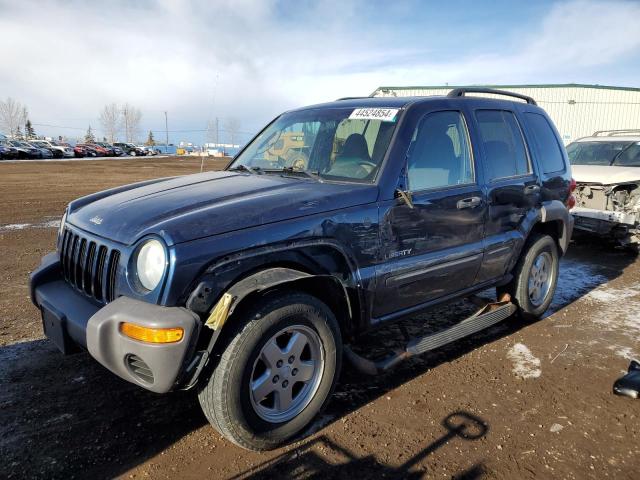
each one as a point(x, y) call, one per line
point(505, 153)
point(333, 143)
point(439, 154)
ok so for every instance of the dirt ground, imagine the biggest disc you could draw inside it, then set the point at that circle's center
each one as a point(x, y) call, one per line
point(521, 400)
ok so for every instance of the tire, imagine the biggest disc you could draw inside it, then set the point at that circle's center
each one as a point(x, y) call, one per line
point(228, 401)
point(541, 251)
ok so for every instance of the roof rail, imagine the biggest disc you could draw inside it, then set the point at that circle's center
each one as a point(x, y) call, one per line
point(461, 92)
point(613, 133)
point(349, 98)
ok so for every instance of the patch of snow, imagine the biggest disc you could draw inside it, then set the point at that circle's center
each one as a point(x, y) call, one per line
point(14, 226)
point(556, 427)
point(624, 352)
point(525, 364)
point(575, 280)
point(22, 226)
point(619, 309)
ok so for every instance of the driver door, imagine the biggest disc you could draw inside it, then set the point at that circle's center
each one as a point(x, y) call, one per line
point(434, 249)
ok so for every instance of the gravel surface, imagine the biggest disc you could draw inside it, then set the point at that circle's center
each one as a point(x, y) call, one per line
point(521, 400)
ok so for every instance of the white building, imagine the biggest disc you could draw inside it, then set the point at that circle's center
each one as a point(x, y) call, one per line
point(577, 110)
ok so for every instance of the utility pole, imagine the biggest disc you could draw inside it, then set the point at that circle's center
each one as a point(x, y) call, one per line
point(217, 134)
point(166, 131)
point(125, 114)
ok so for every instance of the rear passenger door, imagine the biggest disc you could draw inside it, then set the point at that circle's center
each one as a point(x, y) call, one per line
point(511, 187)
point(435, 248)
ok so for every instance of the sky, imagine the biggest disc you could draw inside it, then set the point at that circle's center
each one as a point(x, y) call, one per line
point(252, 59)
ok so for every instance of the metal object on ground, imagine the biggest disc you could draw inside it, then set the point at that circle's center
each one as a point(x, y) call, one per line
point(629, 384)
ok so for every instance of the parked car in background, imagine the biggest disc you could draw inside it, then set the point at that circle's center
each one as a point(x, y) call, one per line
point(118, 151)
point(149, 150)
point(102, 151)
point(79, 151)
point(26, 151)
point(111, 149)
point(606, 168)
point(130, 149)
point(249, 284)
point(89, 150)
point(55, 152)
point(66, 151)
point(7, 152)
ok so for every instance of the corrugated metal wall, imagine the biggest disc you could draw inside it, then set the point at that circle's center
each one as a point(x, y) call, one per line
point(577, 111)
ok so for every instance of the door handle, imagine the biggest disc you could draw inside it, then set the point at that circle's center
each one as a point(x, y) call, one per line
point(471, 202)
point(531, 189)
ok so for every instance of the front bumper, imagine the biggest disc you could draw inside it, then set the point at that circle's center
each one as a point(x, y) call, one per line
point(73, 321)
point(622, 226)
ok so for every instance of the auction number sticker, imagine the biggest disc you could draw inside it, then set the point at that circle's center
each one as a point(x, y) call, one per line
point(382, 114)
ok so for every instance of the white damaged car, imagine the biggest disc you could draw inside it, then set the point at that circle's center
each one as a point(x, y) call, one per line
point(606, 168)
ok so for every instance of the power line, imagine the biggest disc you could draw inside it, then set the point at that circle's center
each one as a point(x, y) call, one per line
point(154, 131)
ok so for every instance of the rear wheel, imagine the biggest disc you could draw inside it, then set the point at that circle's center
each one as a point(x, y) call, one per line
point(535, 276)
point(276, 373)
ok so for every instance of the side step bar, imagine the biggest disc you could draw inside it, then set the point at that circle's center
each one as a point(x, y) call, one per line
point(486, 317)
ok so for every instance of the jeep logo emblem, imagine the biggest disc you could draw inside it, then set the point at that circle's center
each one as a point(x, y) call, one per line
point(97, 220)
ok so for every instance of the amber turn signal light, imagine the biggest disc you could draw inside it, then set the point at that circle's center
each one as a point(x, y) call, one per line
point(151, 335)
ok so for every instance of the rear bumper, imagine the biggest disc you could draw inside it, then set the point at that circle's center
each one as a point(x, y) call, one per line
point(73, 322)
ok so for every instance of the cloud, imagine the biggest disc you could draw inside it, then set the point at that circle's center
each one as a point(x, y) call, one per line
point(252, 59)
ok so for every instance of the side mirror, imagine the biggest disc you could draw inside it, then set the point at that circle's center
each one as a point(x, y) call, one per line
point(406, 196)
point(402, 190)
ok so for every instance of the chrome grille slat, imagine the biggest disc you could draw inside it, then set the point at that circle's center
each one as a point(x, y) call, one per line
point(72, 259)
point(99, 280)
point(89, 266)
point(82, 250)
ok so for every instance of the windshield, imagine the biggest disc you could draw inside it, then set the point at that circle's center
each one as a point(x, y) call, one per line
point(595, 153)
point(339, 143)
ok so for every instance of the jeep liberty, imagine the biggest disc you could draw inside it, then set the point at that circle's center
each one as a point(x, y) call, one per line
point(249, 284)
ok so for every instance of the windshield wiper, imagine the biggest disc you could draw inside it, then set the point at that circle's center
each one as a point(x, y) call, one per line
point(293, 171)
point(246, 168)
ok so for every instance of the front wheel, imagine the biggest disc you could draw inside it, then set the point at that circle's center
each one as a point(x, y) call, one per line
point(276, 373)
point(535, 276)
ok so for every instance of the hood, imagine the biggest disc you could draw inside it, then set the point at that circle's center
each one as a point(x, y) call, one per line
point(186, 208)
point(605, 175)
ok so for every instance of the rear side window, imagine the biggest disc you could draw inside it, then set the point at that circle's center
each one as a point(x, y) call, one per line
point(546, 143)
point(505, 153)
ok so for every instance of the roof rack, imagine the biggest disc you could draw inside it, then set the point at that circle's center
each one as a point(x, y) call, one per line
point(461, 92)
point(613, 133)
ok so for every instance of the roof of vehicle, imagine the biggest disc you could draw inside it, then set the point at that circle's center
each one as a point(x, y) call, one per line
point(400, 102)
point(626, 138)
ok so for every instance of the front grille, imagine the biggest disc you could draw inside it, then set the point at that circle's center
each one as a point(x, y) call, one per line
point(89, 266)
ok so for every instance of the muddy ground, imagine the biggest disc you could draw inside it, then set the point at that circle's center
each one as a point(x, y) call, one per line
point(521, 400)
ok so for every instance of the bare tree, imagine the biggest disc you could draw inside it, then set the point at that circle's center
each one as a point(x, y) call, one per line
point(131, 117)
point(110, 118)
point(12, 115)
point(232, 126)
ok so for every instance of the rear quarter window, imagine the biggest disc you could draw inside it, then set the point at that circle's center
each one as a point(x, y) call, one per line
point(505, 152)
point(546, 143)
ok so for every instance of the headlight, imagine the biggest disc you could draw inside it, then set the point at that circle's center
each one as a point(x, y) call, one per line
point(151, 263)
point(62, 222)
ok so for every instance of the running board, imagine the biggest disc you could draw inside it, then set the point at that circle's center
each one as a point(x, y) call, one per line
point(486, 317)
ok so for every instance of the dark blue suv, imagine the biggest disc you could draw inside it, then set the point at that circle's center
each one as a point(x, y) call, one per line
point(250, 283)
